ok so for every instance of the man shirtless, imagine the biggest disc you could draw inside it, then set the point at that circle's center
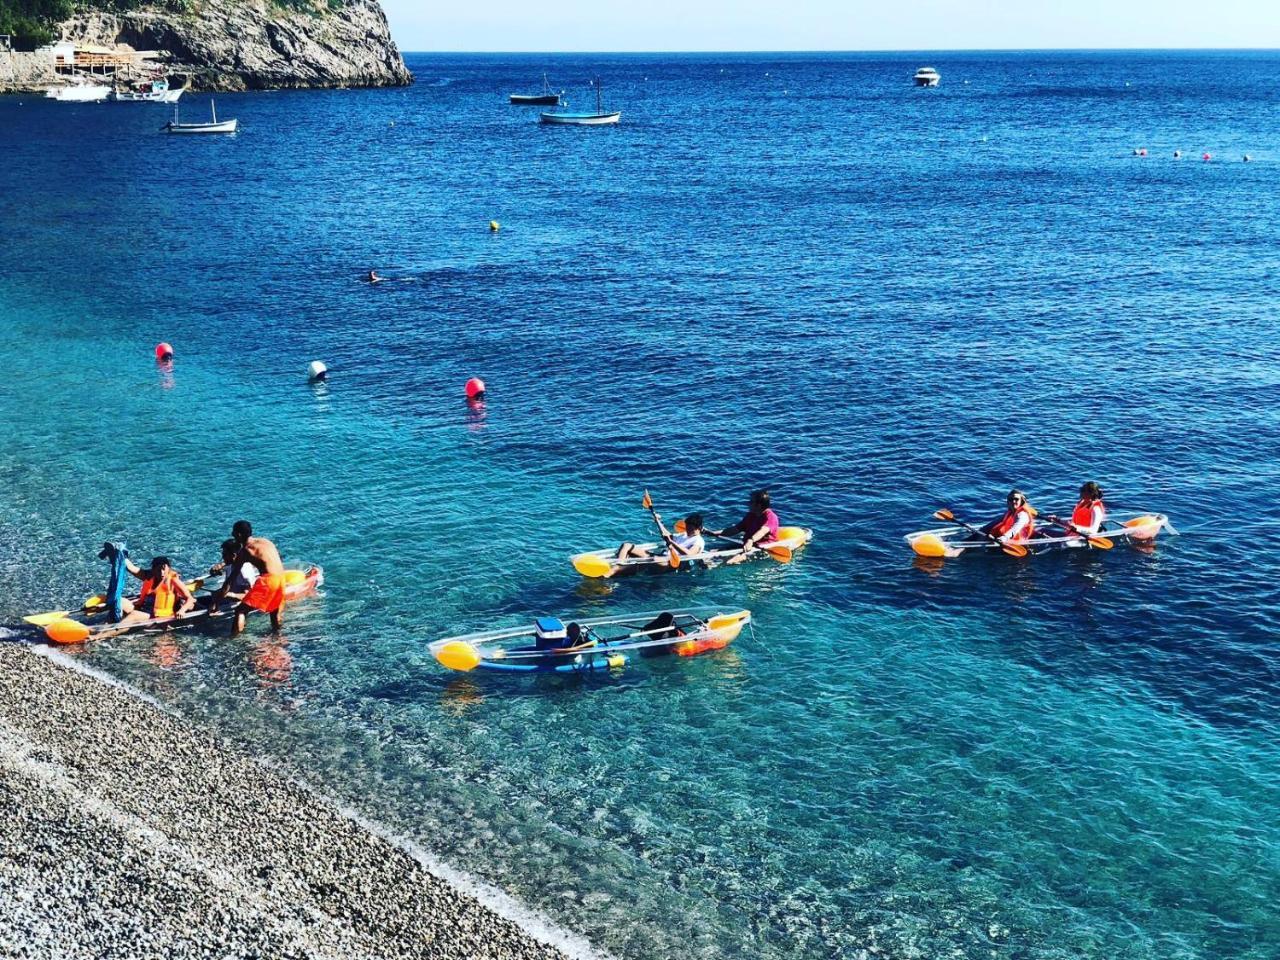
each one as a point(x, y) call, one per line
point(267, 592)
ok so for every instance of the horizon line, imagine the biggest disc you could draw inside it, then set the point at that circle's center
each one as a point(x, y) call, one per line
point(904, 50)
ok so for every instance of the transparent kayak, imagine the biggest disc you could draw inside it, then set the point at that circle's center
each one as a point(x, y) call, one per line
point(1122, 527)
point(605, 642)
point(85, 627)
point(597, 563)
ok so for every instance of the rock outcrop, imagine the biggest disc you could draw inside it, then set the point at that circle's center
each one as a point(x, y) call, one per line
point(257, 44)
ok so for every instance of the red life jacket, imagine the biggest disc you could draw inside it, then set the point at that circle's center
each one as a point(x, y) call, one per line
point(1005, 524)
point(165, 592)
point(1082, 515)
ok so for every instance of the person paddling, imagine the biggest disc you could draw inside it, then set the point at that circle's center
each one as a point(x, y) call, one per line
point(373, 277)
point(1090, 512)
point(162, 589)
point(267, 592)
point(688, 544)
point(759, 525)
point(1018, 523)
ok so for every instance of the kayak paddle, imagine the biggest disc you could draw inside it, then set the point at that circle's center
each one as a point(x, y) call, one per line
point(674, 554)
point(1101, 543)
point(92, 605)
point(1012, 549)
point(779, 552)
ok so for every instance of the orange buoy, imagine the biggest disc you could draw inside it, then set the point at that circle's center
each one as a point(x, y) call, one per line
point(164, 352)
point(475, 389)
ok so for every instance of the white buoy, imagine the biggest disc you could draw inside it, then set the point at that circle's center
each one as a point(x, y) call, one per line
point(317, 371)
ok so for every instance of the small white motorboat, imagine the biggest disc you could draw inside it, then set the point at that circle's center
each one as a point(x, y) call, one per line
point(578, 119)
point(927, 77)
point(79, 93)
point(214, 126)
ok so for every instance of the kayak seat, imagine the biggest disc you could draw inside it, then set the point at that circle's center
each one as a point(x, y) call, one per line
point(664, 628)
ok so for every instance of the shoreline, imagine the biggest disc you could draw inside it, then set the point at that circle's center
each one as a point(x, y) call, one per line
point(128, 831)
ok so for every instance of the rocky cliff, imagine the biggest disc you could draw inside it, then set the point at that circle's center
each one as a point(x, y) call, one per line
point(257, 44)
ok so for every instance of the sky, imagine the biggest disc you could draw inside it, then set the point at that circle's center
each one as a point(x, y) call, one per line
point(713, 25)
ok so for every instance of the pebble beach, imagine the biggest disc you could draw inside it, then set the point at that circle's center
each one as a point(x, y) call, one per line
point(126, 832)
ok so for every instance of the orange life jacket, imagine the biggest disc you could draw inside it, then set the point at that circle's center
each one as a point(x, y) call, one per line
point(165, 592)
point(1082, 515)
point(1005, 524)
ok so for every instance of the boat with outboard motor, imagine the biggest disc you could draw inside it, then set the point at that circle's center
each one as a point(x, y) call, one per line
point(954, 540)
point(91, 622)
point(549, 645)
point(600, 563)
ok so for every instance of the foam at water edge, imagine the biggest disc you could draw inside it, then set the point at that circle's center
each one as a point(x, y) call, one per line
point(504, 905)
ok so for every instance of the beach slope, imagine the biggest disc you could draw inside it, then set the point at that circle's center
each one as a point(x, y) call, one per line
point(125, 831)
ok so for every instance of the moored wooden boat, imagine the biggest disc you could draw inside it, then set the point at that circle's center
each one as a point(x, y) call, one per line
point(600, 117)
point(214, 126)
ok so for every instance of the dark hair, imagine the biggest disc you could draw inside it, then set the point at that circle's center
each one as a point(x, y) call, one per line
point(693, 522)
point(1091, 491)
point(230, 549)
point(760, 498)
point(241, 531)
point(158, 562)
point(1017, 493)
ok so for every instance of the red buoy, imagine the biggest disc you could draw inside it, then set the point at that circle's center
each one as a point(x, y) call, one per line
point(1208, 157)
point(164, 352)
point(475, 389)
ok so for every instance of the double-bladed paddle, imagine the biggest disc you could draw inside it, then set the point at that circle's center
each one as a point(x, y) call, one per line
point(1012, 549)
point(673, 553)
point(92, 605)
point(1101, 543)
point(779, 552)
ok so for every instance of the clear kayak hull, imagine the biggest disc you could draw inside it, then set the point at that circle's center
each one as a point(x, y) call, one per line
point(301, 582)
point(1119, 528)
point(606, 643)
point(595, 563)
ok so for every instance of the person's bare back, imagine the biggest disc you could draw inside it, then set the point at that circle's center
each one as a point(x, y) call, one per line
point(262, 553)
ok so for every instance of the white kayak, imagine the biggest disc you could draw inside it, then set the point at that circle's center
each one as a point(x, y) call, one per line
point(1124, 527)
point(598, 563)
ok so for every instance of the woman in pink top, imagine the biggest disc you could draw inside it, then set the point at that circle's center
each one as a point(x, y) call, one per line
point(760, 525)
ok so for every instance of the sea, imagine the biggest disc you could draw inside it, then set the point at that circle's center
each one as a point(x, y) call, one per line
point(795, 272)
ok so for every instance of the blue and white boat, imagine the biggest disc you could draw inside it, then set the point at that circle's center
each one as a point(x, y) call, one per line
point(579, 119)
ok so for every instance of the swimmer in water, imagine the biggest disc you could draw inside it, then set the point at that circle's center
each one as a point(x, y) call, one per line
point(373, 277)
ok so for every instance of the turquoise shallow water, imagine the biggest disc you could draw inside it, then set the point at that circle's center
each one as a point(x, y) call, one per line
point(788, 271)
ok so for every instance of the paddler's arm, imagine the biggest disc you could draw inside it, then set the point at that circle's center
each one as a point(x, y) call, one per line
point(134, 569)
point(221, 592)
point(188, 598)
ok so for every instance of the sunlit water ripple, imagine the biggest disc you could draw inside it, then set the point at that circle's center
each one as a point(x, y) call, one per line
point(792, 271)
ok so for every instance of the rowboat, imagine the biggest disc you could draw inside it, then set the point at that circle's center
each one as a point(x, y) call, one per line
point(599, 118)
point(598, 563)
point(215, 126)
point(551, 646)
point(547, 98)
point(92, 625)
point(953, 541)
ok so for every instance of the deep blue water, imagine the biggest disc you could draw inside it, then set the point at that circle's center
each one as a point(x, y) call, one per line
point(793, 271)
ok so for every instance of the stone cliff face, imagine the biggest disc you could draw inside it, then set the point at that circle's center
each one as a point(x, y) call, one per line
point(255, 44)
